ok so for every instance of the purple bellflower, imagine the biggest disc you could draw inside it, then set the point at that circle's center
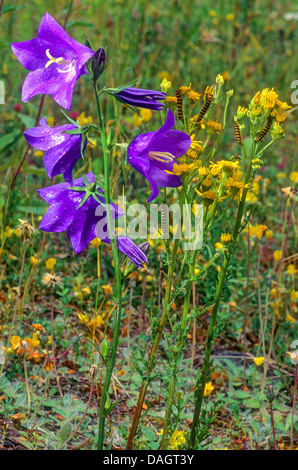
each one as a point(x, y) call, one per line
point(154, 153)
point(70, 210)
point(141, 98)
point(54, 60)
point(62, 151)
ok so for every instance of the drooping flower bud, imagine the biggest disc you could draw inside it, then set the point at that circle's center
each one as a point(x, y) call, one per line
point(98, 63)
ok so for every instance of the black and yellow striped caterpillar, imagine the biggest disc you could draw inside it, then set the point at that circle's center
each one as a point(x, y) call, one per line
point(265, 129)
point(180, 105)
point(237, 132)
point(209, 99)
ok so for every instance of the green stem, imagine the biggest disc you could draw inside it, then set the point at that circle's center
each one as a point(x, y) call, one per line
point(158, 336)
point(201, 381)
point(102, 412)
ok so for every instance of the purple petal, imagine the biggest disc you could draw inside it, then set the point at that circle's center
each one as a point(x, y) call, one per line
point(130, 91)
point(31, 54)
point(57, 218)
point(83, 54)
point(130, 249)
point(62, 158)
point(173, 141)
point(52, 32)
point(58, 192)
point(45, 137)
point(40, 81)
point(63, 94)
point(168, 124)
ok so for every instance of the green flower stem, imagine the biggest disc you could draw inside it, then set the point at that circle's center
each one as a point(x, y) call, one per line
point(201, 381)
point(172, 386)
point(105, 391)
point(157, 339)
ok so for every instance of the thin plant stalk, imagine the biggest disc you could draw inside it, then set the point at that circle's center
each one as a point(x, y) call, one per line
point(102, 413)
point(201, 381)
point(246, 306)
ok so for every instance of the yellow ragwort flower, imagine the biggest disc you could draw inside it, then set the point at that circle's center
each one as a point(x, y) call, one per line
point(294, 176)
point(291, 269)
point(146, 114)
point(277, 255)
point(208, 389)
point(225, 238)
point(259, 360)
point(50, 263)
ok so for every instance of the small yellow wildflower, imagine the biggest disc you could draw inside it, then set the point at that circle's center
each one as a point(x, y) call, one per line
point(280, 175)
point(99, 320)
point(177, 439)
point(165, 85)
point(50, 263)
point(91, 143)
point(289, 318)
point(182, 168)
point(96, 242)
point(136, 120)
point(230, 17)
point(219, 79)
point(218, 246)
point(8, 232)
point(184, 90)
point(193, 96)
point(212, 13)
point(225, 238)
point(83, 120)
point(83, 318)
point(203, 171)
point(225, 166)
point(146, 114)
point(291, 269)
point(14, 341)
point(294, 295)
point(269, 234)
point(279, 114)
point(277, 255)
point(38, 153)
point(171, 101)
point(38, 327)
point(86, 290)
point(294, 176)
point(107, 289)
point(259, 360)
point(226, 76)
point(214, 126)
point(50, 121)
point(241, 112)
point(33, 260)
point(208, 389)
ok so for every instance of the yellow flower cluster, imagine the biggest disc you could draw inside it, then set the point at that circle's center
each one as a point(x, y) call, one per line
point(177, 440)
point(268, 100)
